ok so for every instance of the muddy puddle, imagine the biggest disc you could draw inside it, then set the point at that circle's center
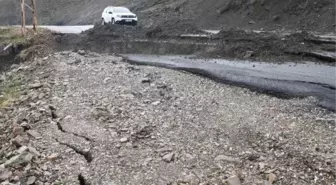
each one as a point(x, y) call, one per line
point(283, 80)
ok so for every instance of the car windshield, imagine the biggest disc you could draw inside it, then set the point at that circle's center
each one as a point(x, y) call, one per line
point(121, 10)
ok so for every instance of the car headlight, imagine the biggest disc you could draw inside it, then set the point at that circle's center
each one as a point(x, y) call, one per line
point(118, 15)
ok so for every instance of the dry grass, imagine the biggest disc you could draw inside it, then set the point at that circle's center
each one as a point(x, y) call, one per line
point(13, 35)
point(10, 91)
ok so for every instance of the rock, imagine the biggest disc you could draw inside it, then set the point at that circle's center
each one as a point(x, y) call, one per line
point(36, 86)
point(147, 161)
point(81, 52)
point(267, 183)
point(22, 149)
point(31, 180)
point(106, 80)
point(19, 159)
point(276, 17)
point(145, 80)
point(234, 180)
point(271, 178)
point(261, 166)
point(5, 174)
point(34, 134)
point(77, 61)
point(252, 22)
point(33, 151)
point(25, 125)
point(123, 140)
point(168, 157)
point(53, 156)
point(248, 54)
point(51, 107)
point(17, 130)
point(156, 103)
point(19, 141)
point(28, 157)
point(227, 158)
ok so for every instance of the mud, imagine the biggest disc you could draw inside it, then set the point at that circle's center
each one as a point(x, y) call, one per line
point(173, 28)
point(228, 43)
point(279, 80)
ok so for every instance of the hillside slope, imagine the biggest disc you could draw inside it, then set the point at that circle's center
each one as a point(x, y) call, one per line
point(310, 15)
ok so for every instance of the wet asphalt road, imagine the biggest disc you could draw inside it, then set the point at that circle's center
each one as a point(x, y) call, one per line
point(282, 80)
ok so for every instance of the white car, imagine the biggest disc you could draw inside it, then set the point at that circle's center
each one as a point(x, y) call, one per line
point(118, 15)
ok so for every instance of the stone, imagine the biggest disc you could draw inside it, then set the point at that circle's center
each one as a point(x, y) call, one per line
point(227, 158)
point(168, 157)
point(19, 141)
point(22, 149)
point(267, 183)
point(81, 52)
point(34, 134)
point(248, 54)
point(25, 125)
point(191, 179)
point(17, 130)
point(28, 157)
point(145, 163)
point(252, 22)
point(53, 156)
point(5, 174)
point(19, 159)
point(276, 17)
point(261, 166)
point(52, 107)
point(123, 140)
point(234, 180)
point(271, 178)
point(33, 151)
point(36, 86)
point(145, 80)
point(156, 103)
point(31, 180)
point(77, 61)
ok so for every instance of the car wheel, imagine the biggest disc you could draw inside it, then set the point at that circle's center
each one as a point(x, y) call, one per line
point(113, 21)
point(103, 22)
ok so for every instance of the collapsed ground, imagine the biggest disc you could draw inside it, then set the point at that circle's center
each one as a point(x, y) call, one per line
point(88, 118)
point(174, 38)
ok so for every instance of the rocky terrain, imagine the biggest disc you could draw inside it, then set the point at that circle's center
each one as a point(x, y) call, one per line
point(88, 118)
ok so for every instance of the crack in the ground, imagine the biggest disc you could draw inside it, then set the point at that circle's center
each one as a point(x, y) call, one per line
point(82, 180)
point(85, 153)
point(60, 127)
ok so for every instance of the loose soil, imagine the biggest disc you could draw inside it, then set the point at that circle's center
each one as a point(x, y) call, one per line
point(228, 43)
point(96, 118)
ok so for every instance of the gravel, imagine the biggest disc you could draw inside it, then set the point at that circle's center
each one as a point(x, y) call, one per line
point(179, 128)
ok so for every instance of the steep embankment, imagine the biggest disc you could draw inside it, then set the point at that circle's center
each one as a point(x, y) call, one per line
point(310, 15)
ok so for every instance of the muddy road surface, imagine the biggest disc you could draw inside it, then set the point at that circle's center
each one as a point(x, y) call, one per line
point(282, 80)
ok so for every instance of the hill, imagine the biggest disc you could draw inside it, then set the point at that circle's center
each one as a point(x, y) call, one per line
point(309, 15)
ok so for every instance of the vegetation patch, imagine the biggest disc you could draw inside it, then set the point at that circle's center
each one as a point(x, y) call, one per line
point(10, 90)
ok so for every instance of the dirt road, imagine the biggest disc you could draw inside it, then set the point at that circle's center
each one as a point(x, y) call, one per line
point(103, 121)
